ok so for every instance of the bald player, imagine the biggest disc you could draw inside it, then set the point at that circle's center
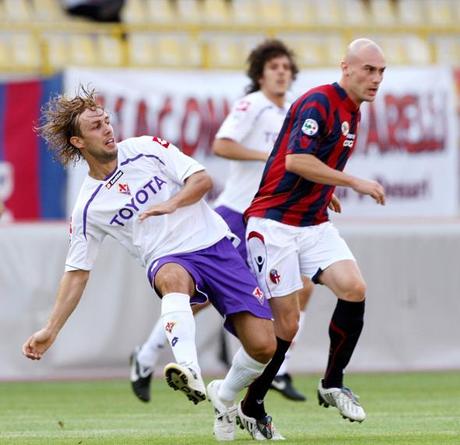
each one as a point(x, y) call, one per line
point(288, 229)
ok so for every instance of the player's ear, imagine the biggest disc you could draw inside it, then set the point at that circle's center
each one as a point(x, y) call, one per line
point(77, 142)
point(345, 68)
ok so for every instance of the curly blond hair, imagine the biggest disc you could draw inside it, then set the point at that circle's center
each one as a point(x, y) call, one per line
point(59, 122)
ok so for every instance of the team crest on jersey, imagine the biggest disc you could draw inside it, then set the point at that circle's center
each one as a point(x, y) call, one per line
point(124, 188)
point(170, 326)
point(275, 276)
point(162, 142)
point(345, 128)
point(243, 105)
point(257, 292)
point(310, 127)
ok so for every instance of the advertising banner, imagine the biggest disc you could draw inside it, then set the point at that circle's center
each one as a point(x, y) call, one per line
point(407, 139)
point(32, 184)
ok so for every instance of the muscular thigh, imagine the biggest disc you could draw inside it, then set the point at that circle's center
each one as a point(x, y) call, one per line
point(345, 280)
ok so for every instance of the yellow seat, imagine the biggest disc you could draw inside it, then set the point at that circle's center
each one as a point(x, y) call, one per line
point(244, 12)
point(17, 10)
point(447, 50)
point(382, 12)
point(393, 47)
point(57, 50)
point(25, 50)
point(82, 50)
point(216, 11)
point(48, 11)
point(141, 49)
point(189, 11)
point(161, 11)
point(176, 50)
point(271, 12)
point(355, 13)
point(410, 12)
point(329, 12)
point(109, 50)
point(308, 48)
point(134, 11)
point(417, 50)
point(223, 51)
point(300, 12)
point(440, 12)
point(5, 51)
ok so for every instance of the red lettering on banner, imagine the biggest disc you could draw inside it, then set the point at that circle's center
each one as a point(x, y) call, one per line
point(142, 127)
point(189, 136)
point(117, 110)
point(164, 111)
point(409, 123)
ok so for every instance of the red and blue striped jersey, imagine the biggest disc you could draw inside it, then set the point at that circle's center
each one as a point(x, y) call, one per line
point(323, 122)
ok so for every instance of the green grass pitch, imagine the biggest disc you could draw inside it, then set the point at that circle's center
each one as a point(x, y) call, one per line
point(402, 409)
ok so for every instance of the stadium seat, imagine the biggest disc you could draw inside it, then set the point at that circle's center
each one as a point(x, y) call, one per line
point(393, 47)
point(355, 13)
point(82, 50)
point(271, 12)
point(57, 50)
point(417, 50)
point(329, 12)
point(189, 11)
point(440, 12)
point(309, 48)
point(134, 11)
point(216, 11)
point(17, 10)
point(410, 12)
point(5, 50)
point(48, 11)
point(244, 12)
point(300, 12)
point(176, 50)
point(161, 11)
point(141, 49)
point(447, 50)
point(25, 50)
point(223, 51)
point(109, 50)
point(382, 12)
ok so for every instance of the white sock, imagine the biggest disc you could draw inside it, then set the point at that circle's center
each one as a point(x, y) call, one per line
point(179, 325)
point(284, 366)
point(243, 372)
point(151, 349)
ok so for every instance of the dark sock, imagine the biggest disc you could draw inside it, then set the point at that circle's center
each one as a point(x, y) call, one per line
point(259, 388)
point(344, 331)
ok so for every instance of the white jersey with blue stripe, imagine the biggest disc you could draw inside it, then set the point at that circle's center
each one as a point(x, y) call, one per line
point(149, 172)
point(254, 122)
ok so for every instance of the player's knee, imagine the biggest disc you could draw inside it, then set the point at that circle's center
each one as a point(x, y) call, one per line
point(356, 291)
point(287, 327)
point(173, 278)
point(263, 350)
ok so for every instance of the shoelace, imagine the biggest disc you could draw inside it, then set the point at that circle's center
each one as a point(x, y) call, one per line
point(349, 393)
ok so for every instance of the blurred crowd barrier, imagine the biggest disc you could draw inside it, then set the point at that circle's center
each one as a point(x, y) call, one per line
point(411, 312)
point(37, 35)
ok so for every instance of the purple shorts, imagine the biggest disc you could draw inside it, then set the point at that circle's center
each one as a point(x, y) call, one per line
point(222, 277)
point(235, 221)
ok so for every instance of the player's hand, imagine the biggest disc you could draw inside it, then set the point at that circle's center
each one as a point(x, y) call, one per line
point(37, 344)
point(335, 205)
point(160, 209)
point(371, 188)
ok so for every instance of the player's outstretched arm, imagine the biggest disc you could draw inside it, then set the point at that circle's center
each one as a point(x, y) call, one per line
point(196, 186)
point(230, 149)
point(70, 291)
point(311, 168)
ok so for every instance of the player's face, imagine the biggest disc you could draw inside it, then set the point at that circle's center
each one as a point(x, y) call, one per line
point(97, 139)
point(276, 77)
point(365, 76)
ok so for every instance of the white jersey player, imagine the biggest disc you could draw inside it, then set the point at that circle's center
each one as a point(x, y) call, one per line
point(149, 196)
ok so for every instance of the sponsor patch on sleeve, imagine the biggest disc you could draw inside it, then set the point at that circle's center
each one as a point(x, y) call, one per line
point(310, 127)
point(162, 142)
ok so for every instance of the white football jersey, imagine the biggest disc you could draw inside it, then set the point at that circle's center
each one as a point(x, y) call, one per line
point(150, 171)
point(254, 122)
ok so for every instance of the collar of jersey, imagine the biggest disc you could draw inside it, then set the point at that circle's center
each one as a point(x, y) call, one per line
point(349, 104)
